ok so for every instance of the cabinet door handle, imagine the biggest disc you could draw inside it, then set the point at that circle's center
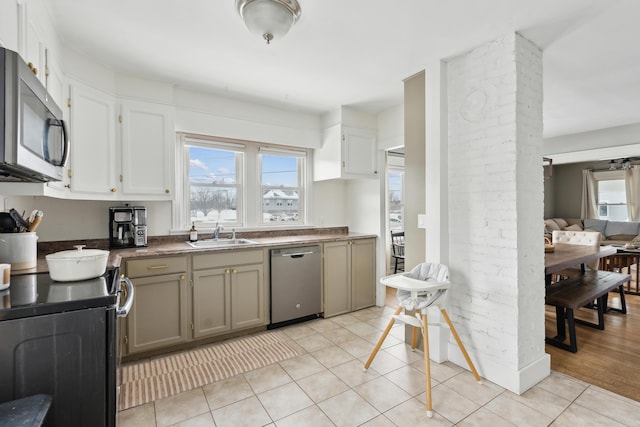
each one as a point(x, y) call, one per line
point(235, 271)
point(158, 267)
point(182, 277)
point(227, 271)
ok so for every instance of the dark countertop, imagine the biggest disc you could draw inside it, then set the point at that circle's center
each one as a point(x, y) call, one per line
point(37, 294)
point(177, 245)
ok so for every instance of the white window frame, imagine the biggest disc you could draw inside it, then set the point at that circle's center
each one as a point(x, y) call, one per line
point(303, 160)
point(216, 144)
point(614, 175)
point(251, 198)
point(395, 162)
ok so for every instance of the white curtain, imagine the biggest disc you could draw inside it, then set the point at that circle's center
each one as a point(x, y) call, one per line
point(589, 196)
point(632, 186)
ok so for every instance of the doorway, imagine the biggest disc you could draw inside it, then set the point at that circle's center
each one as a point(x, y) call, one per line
point(395, 180)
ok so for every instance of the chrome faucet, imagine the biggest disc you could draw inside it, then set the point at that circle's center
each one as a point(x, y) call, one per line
point(217, 231)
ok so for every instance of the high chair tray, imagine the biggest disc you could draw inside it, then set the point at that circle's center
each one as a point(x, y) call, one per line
point(404, 282)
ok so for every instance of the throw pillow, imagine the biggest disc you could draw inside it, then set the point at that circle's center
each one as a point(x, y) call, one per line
point(615, 228)
point(595, 224)
point(562, 223)
point(573, 227)
point(551, 225)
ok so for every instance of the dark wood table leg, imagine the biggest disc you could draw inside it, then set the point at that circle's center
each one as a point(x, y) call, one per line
point(601, 306)
point(563, 314)
point(573, 344)
point(623, 302)
point(560, 328)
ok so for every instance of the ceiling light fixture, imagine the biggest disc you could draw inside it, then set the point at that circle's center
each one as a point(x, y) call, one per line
point(272, 19)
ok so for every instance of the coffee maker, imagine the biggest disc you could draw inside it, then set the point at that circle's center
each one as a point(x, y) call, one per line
point(127, 226)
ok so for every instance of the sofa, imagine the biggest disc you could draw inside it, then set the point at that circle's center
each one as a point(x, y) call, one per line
point(612, 232)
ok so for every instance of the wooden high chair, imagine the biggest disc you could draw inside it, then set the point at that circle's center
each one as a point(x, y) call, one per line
point(419, 289)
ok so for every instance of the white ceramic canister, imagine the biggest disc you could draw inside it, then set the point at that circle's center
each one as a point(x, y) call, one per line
point(19, 249)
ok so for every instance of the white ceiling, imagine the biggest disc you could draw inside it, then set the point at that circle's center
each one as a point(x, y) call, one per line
point(357, 52)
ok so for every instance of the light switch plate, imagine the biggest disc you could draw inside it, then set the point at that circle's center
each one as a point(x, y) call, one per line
point(422, 221)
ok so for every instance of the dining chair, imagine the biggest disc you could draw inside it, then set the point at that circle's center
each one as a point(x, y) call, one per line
point(425, 286)
point(626, 263)
point(397, 250)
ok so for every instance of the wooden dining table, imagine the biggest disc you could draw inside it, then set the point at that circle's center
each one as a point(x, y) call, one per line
point(567, 255)
point(575, 292)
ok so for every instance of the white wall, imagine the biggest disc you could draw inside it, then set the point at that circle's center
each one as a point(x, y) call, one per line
point(495, 194)
point(611, 143)
point(391, 128)
point(223, 117)
point(627, 135)
point(363, 211)
point(330, 203)
point(81, 219)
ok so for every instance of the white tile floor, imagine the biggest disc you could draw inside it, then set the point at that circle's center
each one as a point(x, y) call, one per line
point(326, 386)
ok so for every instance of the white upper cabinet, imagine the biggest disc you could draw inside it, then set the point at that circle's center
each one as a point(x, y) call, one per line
point(120, 156)
point(33, 45)
point(9, 24)
point(359, 152)
point(147, 149)
point(36, 44)
point(93, 142)
point(347, 152)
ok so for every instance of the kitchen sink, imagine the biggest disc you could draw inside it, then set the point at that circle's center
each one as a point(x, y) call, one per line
point(213, 243)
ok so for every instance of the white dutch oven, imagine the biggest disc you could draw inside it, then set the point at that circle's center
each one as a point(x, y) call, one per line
point(79, 264)
point(19, 249)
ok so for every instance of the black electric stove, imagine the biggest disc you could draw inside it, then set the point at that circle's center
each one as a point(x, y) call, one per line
point(59, 339)
point(37, 294)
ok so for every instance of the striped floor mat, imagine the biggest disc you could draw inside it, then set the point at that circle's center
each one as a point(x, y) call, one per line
point(149, 380)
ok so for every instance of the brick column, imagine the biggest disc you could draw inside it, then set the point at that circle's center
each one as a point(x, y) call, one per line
point(496, 210)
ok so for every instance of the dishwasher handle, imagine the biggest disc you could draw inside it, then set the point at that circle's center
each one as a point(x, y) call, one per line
point(297, 254)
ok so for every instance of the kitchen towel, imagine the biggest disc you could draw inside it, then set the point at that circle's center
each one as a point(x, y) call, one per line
point(149, 380)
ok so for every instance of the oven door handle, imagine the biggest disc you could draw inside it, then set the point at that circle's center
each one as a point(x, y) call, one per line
point(126, 307)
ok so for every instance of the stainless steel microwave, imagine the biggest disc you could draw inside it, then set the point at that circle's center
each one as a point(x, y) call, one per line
point(34, 144)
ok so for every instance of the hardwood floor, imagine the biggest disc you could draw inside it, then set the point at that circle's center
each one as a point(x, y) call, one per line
point(609, 359)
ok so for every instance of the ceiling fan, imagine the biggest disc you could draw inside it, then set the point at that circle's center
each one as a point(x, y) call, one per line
point(624, 163)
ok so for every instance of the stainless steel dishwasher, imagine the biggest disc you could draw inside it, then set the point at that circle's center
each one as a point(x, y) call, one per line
point(296, 287)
